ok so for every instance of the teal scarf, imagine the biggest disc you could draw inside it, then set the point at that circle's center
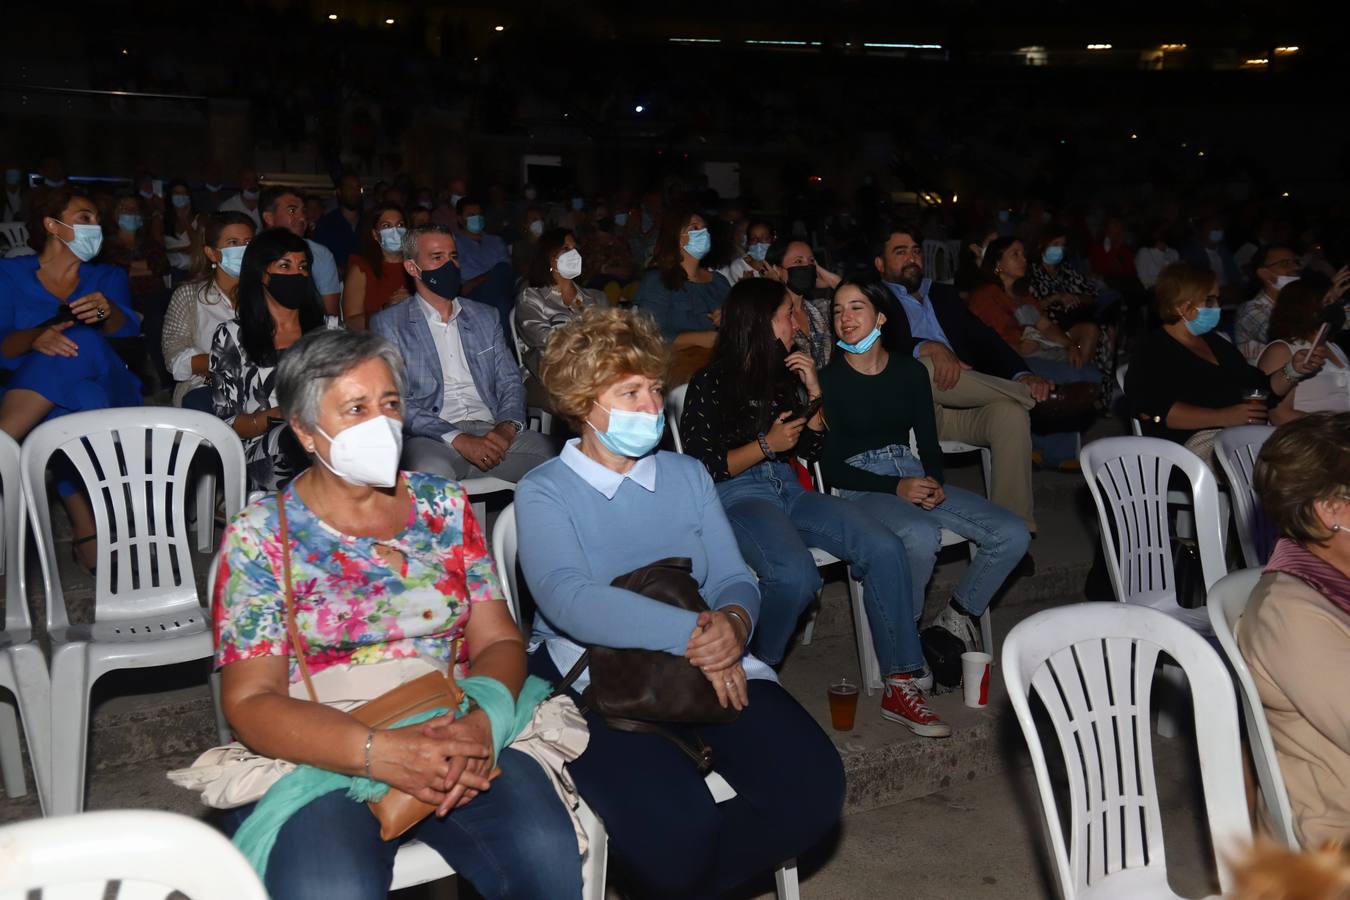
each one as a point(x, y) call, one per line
point(293, 791)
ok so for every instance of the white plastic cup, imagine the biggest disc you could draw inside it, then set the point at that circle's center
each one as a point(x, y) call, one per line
point(975, 678)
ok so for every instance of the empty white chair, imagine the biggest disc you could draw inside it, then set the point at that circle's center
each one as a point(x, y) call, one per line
point(1128, 478)
point(1092, 666)
point(134, 466)
point(1236, 450)
point(23, 668)
point(150, 854)
point(505, 547)
point(480, 487)
point(1226, 603)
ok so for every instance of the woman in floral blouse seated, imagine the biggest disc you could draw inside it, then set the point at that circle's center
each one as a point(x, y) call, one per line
point(392, 580)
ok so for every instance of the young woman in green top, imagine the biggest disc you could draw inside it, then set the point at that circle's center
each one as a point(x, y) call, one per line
point(876, 394)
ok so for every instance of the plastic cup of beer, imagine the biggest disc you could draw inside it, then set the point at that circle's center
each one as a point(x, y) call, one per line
point(843, 704)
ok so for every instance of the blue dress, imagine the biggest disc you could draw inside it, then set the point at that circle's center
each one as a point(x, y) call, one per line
point(685, 309)
point(96, 378)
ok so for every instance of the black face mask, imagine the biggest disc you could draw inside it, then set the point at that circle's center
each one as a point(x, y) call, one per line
point(801, 280)
point(444, 281)
point(291, 291)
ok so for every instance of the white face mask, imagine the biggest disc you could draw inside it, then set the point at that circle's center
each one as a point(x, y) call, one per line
point(1282, 280)
point(367, 453)
point(537, 227)
point(569, 264)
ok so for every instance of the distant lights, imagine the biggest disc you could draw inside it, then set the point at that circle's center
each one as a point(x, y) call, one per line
point(1285, 51)
point(389, 21)
point(1099, 46)
point(903, 46)
point(816, 179)
point(639, 108)
point(1172, 48)
point(695, 40)
point(1285, 194)
point(498, 27)
point(332, 17)
point(953, 198)
point(1134, 137)
point(784, 43)
point(1200, 153)
point(1256, 62)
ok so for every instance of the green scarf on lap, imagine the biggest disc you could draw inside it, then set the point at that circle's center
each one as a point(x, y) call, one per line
point(293, 791)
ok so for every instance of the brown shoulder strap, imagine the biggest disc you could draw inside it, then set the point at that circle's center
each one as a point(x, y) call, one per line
point(297, 644)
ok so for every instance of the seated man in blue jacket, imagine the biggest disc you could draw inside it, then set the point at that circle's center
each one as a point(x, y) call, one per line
point(464, 405)
point(981, 387)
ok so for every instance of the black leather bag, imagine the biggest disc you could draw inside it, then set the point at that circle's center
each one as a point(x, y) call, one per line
point(942, 651)
point(644, 690)
point(1188, 573)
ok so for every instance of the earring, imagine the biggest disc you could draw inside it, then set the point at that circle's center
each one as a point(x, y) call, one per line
point(1335, 526)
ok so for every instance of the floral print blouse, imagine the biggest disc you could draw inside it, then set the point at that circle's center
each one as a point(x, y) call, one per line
point(351, 608)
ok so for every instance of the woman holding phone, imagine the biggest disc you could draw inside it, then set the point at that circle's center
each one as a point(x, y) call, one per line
point(1302, 321)
point(747, 415)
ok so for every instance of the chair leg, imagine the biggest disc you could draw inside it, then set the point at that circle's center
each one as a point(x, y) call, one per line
point(987, 633)
point(786, 879)
point(867, 654)
point(987, 464)
point(11, 757)
point(597, 854)
point(809, 632)
point(33, 691)
point(70, 727)
point(223, 733)
point(206, 512)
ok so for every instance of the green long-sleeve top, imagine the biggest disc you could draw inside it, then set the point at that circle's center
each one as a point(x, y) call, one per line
point(867, 412)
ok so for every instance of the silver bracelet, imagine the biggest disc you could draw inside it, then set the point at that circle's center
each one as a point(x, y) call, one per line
point(370, 739)
point(739, 618)
point(1290, 373)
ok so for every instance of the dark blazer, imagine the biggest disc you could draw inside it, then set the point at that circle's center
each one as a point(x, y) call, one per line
point(973, 342)
point(494, 370)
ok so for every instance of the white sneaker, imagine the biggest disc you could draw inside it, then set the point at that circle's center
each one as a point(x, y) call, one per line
point(925, 680)
point(960, 625)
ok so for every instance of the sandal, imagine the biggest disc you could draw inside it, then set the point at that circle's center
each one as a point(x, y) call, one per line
point(76, 555)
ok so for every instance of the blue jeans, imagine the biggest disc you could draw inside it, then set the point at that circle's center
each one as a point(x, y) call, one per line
point(1060, 446)
point(775, 520)
point(515, 840)
point(1001, 537)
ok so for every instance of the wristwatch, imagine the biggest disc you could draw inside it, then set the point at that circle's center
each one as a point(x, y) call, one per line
point(764, 448)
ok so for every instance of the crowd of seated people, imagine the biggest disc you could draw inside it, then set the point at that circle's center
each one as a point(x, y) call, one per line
point(424, 324)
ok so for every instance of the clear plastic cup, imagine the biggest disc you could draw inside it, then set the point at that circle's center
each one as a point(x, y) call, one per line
point(843, 704)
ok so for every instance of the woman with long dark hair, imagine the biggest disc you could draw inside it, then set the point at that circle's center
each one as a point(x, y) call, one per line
point(276, 304)
point(682, 296)
point(201, 305)
point(878, 394)
point(753, 409)
point(375, 276)
point(552, 295)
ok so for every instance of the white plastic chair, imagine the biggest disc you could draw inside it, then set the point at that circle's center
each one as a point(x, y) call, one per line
point(150, 854)
point(23, 668)
point(1128, 478)
point(1236, 450)
point(15, 236)
point(481, 487)
point(1135, 427)
point(134, 465)
point(1092, 667)
point(1227, 601)
point(505, 547)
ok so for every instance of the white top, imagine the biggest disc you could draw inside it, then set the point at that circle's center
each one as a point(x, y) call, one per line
point(193, 315)
point(1327, 391)
point(1149, 261)
point(736, 270)
point(179, 247)
point(460, 401)
point(236, 204)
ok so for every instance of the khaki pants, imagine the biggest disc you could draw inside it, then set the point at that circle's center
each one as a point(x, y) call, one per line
point(992, 412)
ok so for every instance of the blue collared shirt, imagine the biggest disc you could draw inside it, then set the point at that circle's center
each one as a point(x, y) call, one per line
point(477, 257)
point(604, 479)
point(923, 320)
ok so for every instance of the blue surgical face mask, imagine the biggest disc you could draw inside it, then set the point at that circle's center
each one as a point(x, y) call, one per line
point(621, 219)
point(1053, 255)
point(1205, 321)
point(181, 201)
point(12, 177)
point(699, 243)
point(862, 346)
point(391, 239)
point(1216, 236)
point(232, 260)
point(757, 251)
point(129, 222)
point(630, 433)
point(87, 242)
point(474, 224)
point(578, 203)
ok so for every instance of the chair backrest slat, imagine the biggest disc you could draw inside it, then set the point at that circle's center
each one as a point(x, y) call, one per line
point(1236, 450)
point(12, 534)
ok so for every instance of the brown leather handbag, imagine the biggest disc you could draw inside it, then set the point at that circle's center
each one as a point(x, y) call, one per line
point(644, 690)
point(397, 811)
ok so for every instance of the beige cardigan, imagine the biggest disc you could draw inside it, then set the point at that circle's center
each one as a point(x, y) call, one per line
point(1297, 646)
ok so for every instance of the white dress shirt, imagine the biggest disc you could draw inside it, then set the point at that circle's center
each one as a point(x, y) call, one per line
point(461, 401)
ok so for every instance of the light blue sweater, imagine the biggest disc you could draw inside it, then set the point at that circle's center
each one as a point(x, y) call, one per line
point(575, 540)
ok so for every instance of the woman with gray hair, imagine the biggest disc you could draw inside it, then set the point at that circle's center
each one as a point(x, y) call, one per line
point(390, 579)
point(1295, 633)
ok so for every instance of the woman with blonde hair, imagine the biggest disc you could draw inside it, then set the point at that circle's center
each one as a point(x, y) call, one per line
point(609, 504)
